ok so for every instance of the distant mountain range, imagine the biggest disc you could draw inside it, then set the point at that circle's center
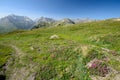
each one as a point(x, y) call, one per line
point(14, 22)
point(49, 22)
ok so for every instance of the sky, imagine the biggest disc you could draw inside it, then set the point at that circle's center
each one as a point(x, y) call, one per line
point(58, 9)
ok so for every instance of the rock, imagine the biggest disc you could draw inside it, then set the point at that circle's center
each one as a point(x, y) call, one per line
point(32, 48)
point(35, 48)
point(54, 37)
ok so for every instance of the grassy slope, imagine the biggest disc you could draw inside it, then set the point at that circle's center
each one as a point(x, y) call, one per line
point(65, 58)
point(5, 53)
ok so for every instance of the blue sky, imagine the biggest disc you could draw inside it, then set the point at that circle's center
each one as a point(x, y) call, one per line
point(94, 9)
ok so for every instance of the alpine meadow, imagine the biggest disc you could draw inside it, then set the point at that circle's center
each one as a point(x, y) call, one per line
point(60, 48)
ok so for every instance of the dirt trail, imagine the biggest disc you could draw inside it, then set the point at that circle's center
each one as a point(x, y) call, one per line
point(17, 50)
point(20, 70)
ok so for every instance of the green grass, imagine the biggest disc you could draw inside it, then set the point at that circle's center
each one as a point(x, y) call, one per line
point(5, 53)
point(65, 58)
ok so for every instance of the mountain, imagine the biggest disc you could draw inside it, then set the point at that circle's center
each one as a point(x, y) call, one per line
point(65, 21)
point(78, 20)
point(114, 19)
point(14, 22)
point(45, 19)
point(48, 22)
point(6, 26)
point(44, 22)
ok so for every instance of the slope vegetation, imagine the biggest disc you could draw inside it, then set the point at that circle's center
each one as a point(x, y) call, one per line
point(88, 51)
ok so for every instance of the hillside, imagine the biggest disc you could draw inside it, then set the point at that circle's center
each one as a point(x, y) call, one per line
point(87, 51)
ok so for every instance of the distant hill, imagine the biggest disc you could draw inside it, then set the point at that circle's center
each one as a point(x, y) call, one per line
point(44, 22)
point(15, 22)
point(114, 19)
point(65, 21)
point(78, 20)
point(48, 22)
point(45, 19)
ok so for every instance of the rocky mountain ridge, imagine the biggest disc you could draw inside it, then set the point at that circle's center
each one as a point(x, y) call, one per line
point(14, 22)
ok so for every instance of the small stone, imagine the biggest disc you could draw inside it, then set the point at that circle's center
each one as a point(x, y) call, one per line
point(54, 37)
point(32, 48)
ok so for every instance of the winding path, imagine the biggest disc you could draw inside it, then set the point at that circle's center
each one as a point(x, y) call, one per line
point(23, 72)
